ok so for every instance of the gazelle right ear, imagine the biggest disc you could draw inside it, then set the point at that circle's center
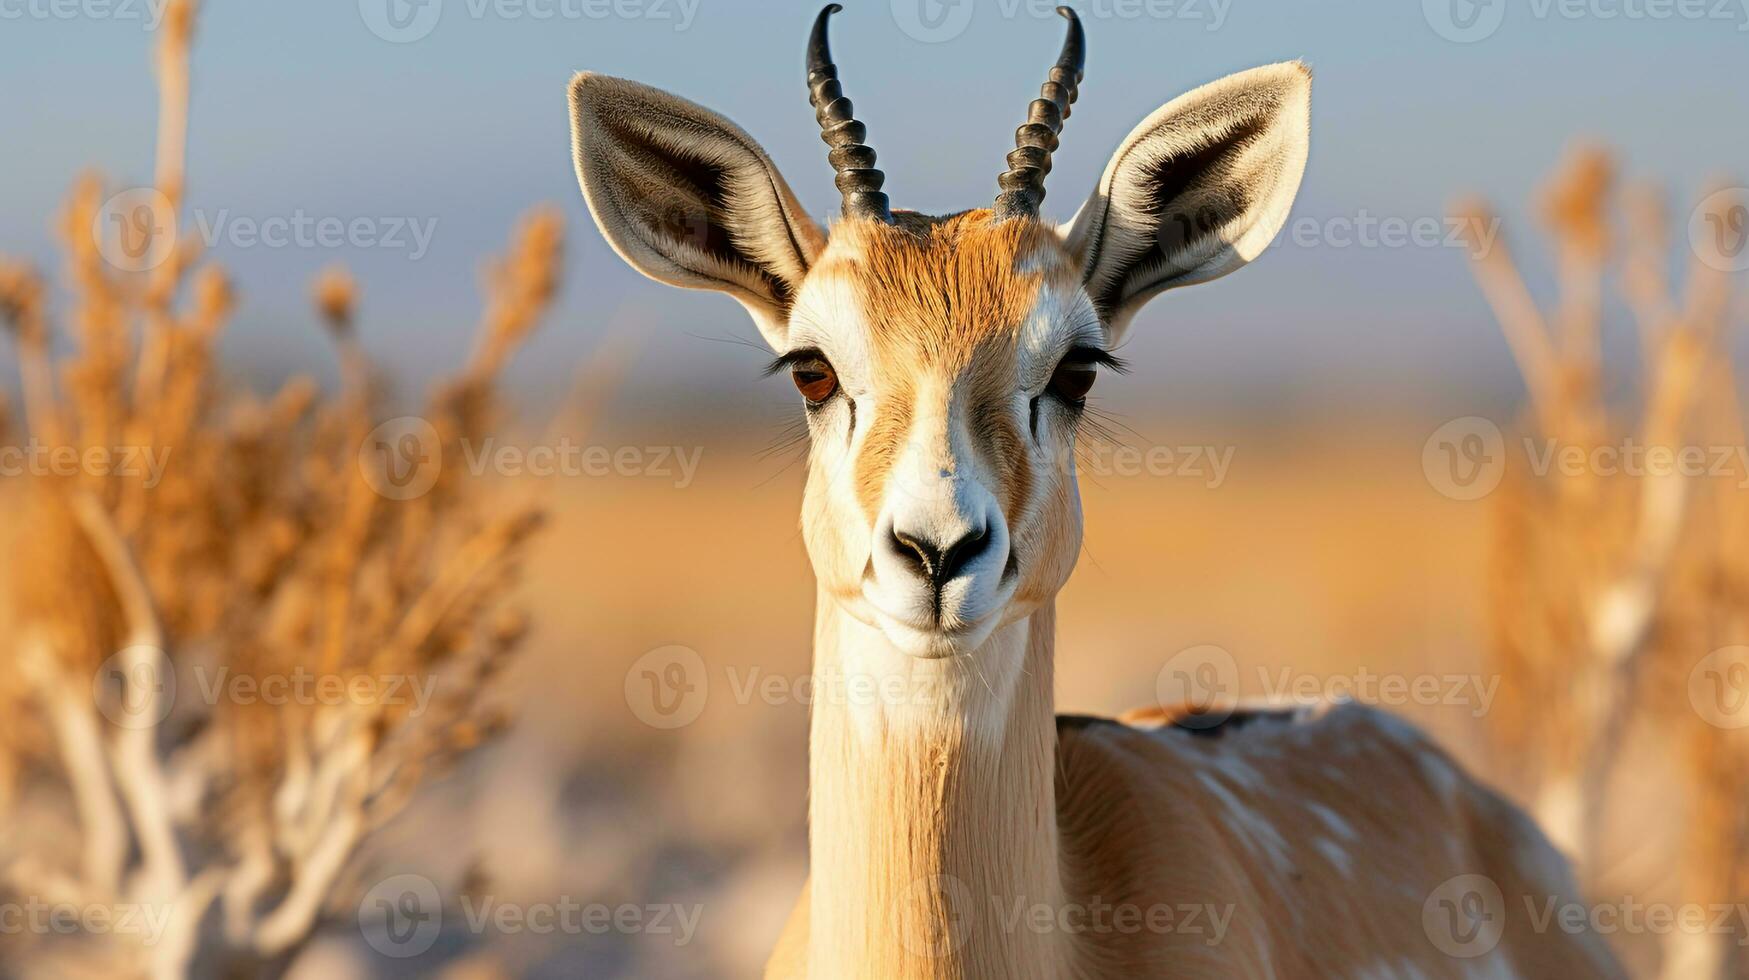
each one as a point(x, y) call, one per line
point(1197, 190)
point(689, 199)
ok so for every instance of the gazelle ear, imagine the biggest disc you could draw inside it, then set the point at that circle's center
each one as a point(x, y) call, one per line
point(1197, 190)
point(689, 199)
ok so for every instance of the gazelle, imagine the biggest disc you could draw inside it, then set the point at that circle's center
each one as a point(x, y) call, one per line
point(957, 828)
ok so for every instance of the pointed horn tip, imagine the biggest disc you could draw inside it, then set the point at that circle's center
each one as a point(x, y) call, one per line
point(830, 9)
point(1065, 12)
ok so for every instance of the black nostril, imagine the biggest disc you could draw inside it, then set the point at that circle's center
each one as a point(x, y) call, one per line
point(959, 554)
point(919, 554)
point(935, 564)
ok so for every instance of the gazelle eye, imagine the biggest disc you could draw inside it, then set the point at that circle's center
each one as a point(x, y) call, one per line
point(1073, 380)
point(814, 379)
point(1077, 371)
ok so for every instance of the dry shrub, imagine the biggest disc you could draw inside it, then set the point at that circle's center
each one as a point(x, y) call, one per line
point(1608, 588)
point(277, 545)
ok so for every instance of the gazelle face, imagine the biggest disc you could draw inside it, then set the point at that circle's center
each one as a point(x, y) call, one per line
point(944, 362)
point(944, 366)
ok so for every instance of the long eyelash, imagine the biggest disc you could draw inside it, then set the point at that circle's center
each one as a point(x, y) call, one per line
point(793, 433)
point(1102, 426)
point(800, 355)
point(1088, 354)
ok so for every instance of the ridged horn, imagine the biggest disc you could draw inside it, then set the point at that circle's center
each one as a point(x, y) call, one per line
point(852, 158)
point(1023, 184)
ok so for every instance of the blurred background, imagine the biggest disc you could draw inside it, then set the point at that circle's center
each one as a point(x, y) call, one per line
point(1289, 482)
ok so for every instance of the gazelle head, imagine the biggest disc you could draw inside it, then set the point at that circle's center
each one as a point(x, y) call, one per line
point(944, 362)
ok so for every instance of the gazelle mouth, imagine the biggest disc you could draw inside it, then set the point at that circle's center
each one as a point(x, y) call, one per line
point(928, 637)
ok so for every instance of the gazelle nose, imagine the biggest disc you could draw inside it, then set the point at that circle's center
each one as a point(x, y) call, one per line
point(936, 564)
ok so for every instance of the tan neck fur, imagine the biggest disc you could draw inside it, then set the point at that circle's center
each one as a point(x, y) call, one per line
point(931, 801)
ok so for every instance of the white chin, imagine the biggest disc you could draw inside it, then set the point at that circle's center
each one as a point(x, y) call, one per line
point(937, 644)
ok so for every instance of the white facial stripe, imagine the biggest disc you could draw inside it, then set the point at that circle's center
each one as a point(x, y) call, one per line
point(828, 315)
point(1059, 321)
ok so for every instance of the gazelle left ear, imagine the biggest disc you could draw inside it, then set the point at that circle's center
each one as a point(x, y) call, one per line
point(689, 199)
point(1197, 190)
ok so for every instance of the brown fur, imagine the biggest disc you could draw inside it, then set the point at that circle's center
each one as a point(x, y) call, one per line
point(952, 294)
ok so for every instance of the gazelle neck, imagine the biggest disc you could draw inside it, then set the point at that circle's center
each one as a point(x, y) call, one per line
point(932, 816)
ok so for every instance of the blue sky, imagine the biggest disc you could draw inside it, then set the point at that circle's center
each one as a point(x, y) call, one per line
point(300, 108)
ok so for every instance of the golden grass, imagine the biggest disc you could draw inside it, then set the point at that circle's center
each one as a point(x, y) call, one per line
point(266, 551)
point(1609, 588)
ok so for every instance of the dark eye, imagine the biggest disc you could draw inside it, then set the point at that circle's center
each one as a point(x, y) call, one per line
point(814, 379)
point(1073, 380)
